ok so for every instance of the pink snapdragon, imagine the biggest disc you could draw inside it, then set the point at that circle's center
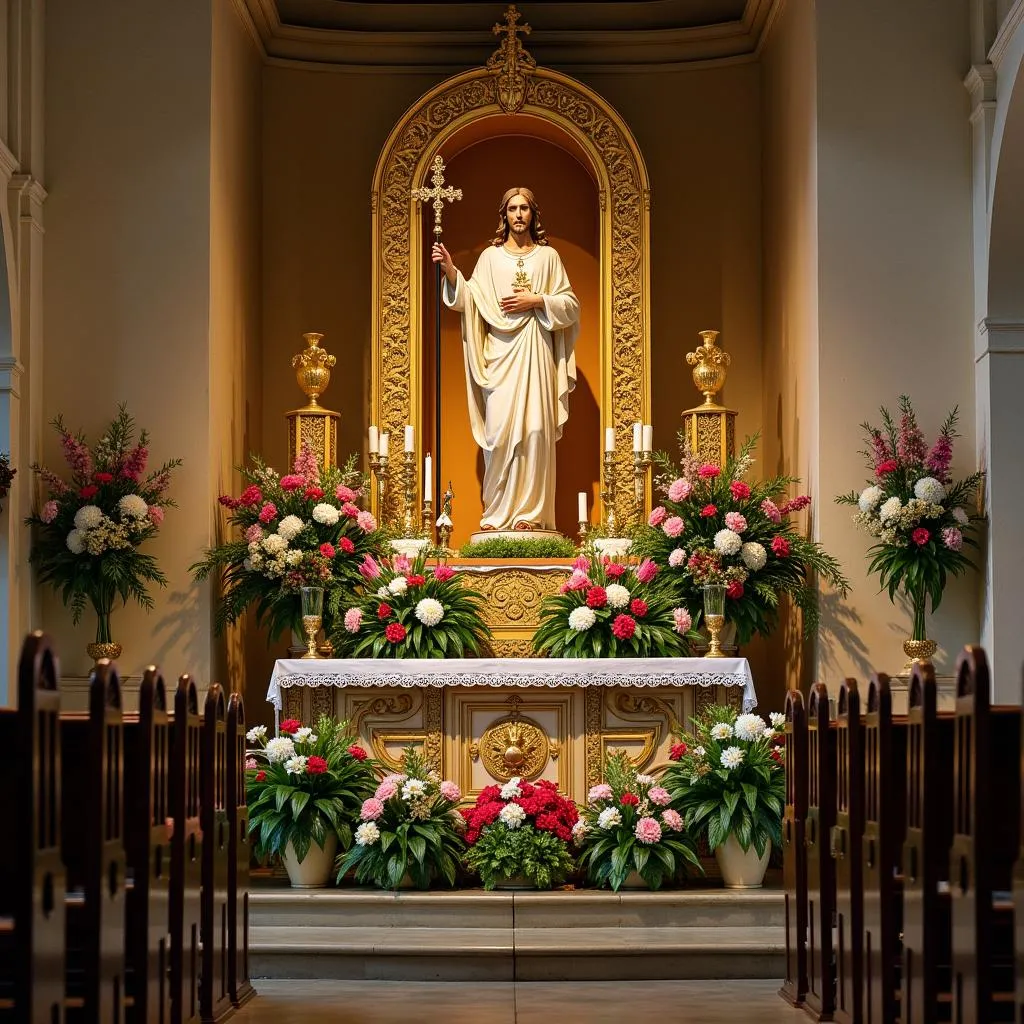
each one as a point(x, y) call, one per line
point(156, 514)
point(657, 516)
point(735, 521)
point(796, 504)
point(49, 512)
point(353, 620)
point(135, 464)
point(771, 510)
point(307, 465)
point(939, 458)
point(77, 454)
point(679, 490)
point(647, 831)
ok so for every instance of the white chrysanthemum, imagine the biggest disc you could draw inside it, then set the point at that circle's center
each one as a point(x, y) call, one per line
point(749, 727)
point(697, 751)
point(754, 555)
point(869, 498)
point(580, 829)
point(290, 527)
point(76, 542)
point(721, 731)
point(929, 489)
point(582, 618)
point(274, 544)
point(890, 509)
point(296, 765)
point(305, 735)
point(367, 834)
point(280, 748)
point(732, 757)
point(609, 818)
point(728, 542)
point(383, 592)
point(513, 815)
point(414, 789)
point(645, 780)
point(399, 585)
point(88, 517)
point(326, 514)
point(618, 595)
point(511, 788)
point(429, 611)
point(257, 732)
point(777, 718)
point(961, 516)
point(134, 506)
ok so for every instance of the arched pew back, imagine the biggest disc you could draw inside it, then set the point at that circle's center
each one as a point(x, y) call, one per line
point(794, 851)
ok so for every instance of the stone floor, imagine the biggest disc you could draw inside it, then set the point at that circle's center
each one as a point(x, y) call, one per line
point(363, 1002)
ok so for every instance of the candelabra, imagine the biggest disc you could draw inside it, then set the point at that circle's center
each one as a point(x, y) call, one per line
point(444, 525)
point(409, 474)
point(608, 493)
point(641, 463)
point(379, 469)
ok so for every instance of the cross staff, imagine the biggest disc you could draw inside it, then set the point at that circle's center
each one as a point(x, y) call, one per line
point(436, 195)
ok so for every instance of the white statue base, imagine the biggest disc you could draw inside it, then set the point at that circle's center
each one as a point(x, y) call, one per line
point(481, 535)
point(613, 547)
point(411, 547)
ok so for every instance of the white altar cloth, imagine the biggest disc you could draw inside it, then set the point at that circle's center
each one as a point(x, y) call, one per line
point(553, 672)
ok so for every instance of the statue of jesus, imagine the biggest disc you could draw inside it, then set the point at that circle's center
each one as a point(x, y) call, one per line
point(520, 319)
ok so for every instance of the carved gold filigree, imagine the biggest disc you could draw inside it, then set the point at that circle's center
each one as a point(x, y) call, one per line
point(628, 702)
point(321, 702)
point(511, 62)
point(593, 720)
point(512, 649)
point(293, 702)
point(513, 596)
point(398, 706)
point(514, 746)
point(432, 726)
point(474, 751)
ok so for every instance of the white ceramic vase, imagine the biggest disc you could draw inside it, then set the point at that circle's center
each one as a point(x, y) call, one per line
point(315, 868)
point(742, 869)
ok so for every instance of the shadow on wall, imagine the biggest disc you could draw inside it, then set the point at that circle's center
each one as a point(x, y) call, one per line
point(840, 631)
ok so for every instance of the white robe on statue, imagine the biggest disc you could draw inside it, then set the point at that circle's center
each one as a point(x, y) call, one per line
point(519, 372)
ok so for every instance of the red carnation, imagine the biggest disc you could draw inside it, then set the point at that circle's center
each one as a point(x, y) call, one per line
point(290, 726)
point(629, 800)
point(888, 466)
point(260, 776)
point(327, 549)
point(676, 752)
point(781, 547)
point(638, 606)
point(268, 513)
point(623, 627)
point(313, 493)
point(613, 570)
point(89, 491)
point(357, 752)
point(776, 755)
point(103, 478)
point(708, 472)
point(708, 511)
point(383, 611)
point(734, 590)
point(315, 765)
point(395, 632)
point(416, 580)
point(347, 546)
point(920, 536)
point(739, 490)
point(252, 495)
point(597, 597)
point(443, 572)
point(292, 482)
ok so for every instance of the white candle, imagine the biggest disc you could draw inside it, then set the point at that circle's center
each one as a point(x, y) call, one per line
point(410, 444)
point(648, 437)
point(385, 437)
point(638, 436)
point(428, 479)
point(609, 439)
point(374, 439)
point(583, 506)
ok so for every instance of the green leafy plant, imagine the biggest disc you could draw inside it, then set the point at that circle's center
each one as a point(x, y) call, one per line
point(515, 547)
point(7, 474)
point(627, 826)
point(728, 777)
point(305, 784)
point(410, 826)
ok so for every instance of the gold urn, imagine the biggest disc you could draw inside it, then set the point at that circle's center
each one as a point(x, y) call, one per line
point(313, 425)
point(313, 367)
point(710, 429)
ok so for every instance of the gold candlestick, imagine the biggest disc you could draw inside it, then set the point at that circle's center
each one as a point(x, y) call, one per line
point(379, 469)
point(641, 463)
point(409, 473)
point(427, 517)
point(608, 493)
point(444, 526)
point(583, 531)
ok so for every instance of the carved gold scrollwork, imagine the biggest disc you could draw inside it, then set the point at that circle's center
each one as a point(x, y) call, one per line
point(321, 702)
point(514, 746)
point(593, 719)
point(631, 703)
point(293, 702)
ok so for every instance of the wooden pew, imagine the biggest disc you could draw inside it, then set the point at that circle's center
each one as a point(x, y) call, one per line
point(147, 756)
point(32, 879)
point(214, 999)
point(92, 847)
point(239, 987)
point(885, 799)
point(794, 852)
point(985, 842)
point(847, 851)
point(821, 881)
point(186, 854)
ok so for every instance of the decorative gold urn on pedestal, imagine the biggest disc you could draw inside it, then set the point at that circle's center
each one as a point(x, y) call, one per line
point(710, 428)
point(313, 424)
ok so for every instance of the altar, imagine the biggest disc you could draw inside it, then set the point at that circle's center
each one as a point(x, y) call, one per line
point(482, 721)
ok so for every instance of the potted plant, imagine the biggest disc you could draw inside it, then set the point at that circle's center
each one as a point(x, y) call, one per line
point(917, 514)
point(304, 787)
point(628, 834)
point(728, 779)
point(89, 531)
point(408, 611)
point(607, 609)
point(519, 833)
point(410, 831)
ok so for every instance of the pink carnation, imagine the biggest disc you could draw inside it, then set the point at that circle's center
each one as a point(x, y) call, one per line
point(708, 471)
point(781, 547)
point(372, 809)
point(734, 591)
point(659, 795)
point(647, 830)
point(673, 526)
point(679, 490)
point(657, 516)
point(683, 620)
point(292, 482)
point(952, 538)
point(646, 570)
point(353, 620)
point(350, 510)
point(735, 521)
point(602, 791)
point(443, 572)
point(254, 534)
point(739, 490)
point(49, 512)
point(386, 790)
point(578, 580)
point(156, 514)
point(343, 493)
point(771, 510)
point(450, 791)
point(366, 522)
point(268, 513)
point(677, 557)
point(673, 820)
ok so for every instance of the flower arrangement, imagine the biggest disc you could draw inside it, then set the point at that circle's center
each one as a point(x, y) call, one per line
point(628, 825)
point(6, 476)
point(521, 830)
point(410, 826)
point(88, 532)
point(607, 609)
point(715, 528)
point(304, 785)
point(303, 529)
point(728, 777)
point(408, 611)
point(914, 509)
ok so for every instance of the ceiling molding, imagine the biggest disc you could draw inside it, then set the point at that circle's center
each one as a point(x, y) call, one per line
point(446, 50)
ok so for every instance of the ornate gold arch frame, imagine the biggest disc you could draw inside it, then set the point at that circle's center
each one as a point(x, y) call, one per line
point(512, 85)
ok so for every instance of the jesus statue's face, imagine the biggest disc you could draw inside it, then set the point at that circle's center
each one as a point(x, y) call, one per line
point(519, 215)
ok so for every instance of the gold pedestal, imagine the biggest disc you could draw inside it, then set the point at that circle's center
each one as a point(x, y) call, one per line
point(710, 431)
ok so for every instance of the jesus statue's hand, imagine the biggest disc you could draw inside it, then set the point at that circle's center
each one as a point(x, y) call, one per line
point(520, 302)
point(439, 254)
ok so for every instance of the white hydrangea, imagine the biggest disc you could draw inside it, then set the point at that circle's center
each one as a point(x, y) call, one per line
point(721, 731)
point(293, 558)
point(732, 757)
point(777, 718)
point(618, 595)
point(429, 611)
point(256, 733)
point(367, 834)
point(869, 498)
point(295, 765)
point(399, 585)
point(414, 789)
point(677, 557)
point(280, 748)
point(749, 727)
point(274, 543)
point(76, 542)
point(580, 829)
point(929, 489)
point(511, 788)
point(754, 555)
point(513, 815)
point(290, 527)
point(961, 516)
point(645, 780)
point(305, 735)
point(609, 818)
point(326, 514)
point(728, 542)
point(134, 506)
point(582, 618)
point(890, 509)
point(88, 517)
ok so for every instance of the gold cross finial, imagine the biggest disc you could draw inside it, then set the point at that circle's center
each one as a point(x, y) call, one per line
point(511, 62)
point(438, 192)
